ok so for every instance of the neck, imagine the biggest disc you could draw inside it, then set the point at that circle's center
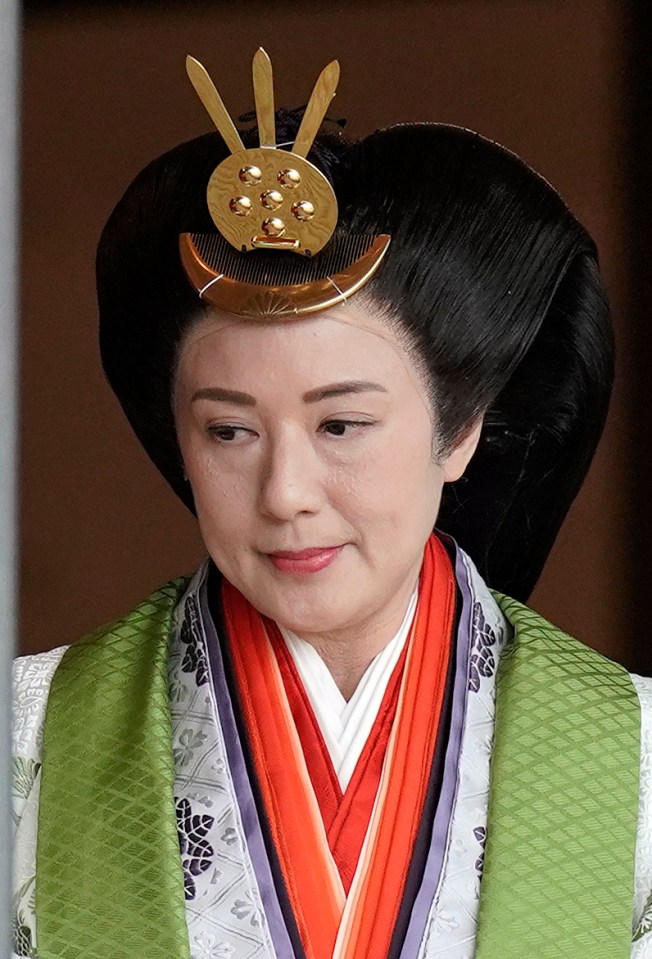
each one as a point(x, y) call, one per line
point(348, 651)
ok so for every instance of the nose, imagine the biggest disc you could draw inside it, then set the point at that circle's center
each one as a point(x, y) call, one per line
point(291, 481)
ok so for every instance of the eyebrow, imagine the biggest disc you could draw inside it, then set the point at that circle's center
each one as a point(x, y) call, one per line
point(340, 389)
point(312, 396)
point(225, 396)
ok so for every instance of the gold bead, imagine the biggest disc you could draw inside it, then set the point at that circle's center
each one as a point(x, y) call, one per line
point(289, 178)
point(273, 226)
point(303, 210)
point(240, 205)
point(271, 199)
point(250, 175)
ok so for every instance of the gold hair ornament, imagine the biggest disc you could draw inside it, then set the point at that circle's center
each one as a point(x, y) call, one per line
point(270, 200)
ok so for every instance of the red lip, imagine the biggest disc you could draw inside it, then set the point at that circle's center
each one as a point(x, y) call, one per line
point(305, 561)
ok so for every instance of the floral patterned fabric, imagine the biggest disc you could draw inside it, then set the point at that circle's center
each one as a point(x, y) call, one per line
point(31, 684)
point(223, 904)
point(642, 948)
point(453, 917)
point(224, 887)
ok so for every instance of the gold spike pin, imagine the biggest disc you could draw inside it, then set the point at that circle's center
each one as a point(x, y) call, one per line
point(250, 184)
point(266, 198)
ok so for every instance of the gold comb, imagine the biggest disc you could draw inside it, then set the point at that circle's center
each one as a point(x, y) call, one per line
point(273, 285)
point(268, 199)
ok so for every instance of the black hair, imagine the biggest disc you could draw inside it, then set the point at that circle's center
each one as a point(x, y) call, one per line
point(492, 280)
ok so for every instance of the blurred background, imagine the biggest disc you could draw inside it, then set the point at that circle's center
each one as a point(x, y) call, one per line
point(564, 83)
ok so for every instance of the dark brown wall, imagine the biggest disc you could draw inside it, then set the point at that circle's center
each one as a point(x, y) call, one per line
point(104, 92)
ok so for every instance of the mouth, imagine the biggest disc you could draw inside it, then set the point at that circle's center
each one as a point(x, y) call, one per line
point(306, 561)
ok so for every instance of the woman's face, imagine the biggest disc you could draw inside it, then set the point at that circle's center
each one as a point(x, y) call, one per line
point(309, 448)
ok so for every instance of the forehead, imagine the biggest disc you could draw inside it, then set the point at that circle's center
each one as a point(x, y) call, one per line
point(331, 329)
point(347, 341)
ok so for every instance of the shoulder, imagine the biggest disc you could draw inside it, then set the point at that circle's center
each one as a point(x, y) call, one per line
point(570, 660)
point(528, 623)
point(31, 680)
point(629, 698)
point(155, 613)
point(643, 686)
point(32, 675)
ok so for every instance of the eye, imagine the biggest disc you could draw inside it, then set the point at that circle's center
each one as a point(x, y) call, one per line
point(343, 427)
point(231, 435)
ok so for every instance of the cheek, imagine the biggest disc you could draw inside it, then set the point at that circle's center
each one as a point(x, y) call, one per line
point(222, 502)
point(219, 492)
point(225, 527)
point(396, 484)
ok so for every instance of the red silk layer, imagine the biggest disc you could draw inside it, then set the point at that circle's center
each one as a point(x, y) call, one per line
point(345, 816)
point(331, 924)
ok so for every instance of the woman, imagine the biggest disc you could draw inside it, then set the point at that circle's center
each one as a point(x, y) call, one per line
point(316, 719)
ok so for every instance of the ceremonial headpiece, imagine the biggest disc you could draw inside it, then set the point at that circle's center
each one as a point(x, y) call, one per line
point(274, 253)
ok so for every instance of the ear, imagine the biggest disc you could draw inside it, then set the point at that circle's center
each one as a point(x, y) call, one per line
point(458, 458)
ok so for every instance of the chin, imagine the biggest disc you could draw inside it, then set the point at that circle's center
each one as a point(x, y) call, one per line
point(303, 616)
point(322, 603)
point(322, 626)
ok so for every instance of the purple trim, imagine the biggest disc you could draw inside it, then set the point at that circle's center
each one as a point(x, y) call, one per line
point(434, 863)
point(246, 802)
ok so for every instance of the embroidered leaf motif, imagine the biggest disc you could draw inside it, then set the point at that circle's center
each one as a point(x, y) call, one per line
point(480, 834)
point(645, 922)
point(196, 852)
point(194, 659)
point(483, 660)
point(22, 937)
point(25, 772)
point(20, 894)
point(21, 932)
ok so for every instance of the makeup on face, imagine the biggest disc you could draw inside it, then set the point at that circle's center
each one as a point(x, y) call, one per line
point(308, 445)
